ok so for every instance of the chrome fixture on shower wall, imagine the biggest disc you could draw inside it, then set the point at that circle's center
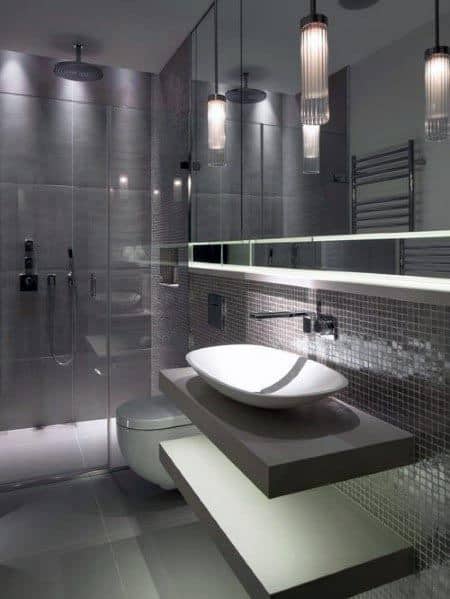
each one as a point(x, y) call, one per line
point(216, 109)
point(314, 108)
point(29, 280)
point(51, 307)
point(246, 94)
point(437, 84)
point(77, 70)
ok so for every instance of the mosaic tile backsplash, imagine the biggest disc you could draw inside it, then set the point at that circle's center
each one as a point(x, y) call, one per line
point(396, 356)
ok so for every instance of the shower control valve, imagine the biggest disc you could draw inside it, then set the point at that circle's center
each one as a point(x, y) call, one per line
point(28, 282)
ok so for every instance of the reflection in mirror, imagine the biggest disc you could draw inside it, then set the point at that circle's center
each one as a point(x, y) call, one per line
point(226, 253)
point(377, 172)
point(408, 255)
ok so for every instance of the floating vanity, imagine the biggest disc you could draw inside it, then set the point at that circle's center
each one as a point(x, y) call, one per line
point(261, 481)
point(288, 451)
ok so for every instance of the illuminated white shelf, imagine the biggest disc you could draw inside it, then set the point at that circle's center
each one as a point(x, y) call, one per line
point(314, 238)
point(416, 289)
point(316, 543)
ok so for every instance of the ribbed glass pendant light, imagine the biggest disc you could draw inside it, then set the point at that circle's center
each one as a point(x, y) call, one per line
point(311, 149)
point(314, 68)
point(437, 84)
point(216, 110)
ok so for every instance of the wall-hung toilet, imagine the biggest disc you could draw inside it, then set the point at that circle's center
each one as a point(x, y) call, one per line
point(141, 426)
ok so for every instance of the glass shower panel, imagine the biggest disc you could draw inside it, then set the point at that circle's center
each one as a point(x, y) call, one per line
point(130, 236)
point(47, 185)
point(91, 368)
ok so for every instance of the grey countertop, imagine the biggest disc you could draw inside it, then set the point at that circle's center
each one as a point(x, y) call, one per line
point(286, 451)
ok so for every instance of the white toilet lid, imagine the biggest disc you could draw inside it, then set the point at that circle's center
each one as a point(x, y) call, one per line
point(150, 414)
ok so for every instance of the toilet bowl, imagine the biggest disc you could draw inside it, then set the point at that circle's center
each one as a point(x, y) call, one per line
point(141, 426)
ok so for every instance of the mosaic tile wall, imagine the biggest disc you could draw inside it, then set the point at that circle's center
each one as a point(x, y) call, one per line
point(396, 356)
point(169, 222)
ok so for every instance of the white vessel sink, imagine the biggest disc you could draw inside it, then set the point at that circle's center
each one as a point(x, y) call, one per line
point(264, 377)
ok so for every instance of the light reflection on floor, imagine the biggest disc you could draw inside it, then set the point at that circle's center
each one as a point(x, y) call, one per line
point(35, 453)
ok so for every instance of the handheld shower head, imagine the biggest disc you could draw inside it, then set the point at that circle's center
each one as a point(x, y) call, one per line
point(77, 70)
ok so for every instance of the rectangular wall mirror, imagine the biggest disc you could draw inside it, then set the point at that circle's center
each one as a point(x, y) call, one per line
point(377, 173)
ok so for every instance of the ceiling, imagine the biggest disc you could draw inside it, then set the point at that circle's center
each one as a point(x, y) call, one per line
point(138, 34)
point(271, 45)
point(143, 34)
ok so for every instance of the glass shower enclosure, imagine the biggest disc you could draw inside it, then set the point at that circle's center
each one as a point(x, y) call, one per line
point(75, 236)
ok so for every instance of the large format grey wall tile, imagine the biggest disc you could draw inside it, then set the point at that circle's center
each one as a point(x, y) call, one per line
point(38, 393)
point(35, 140)
point(90, 228)
point(130, 378)
point(252, 216)
point(272, 161)
point(252, 164)
point(24, 316)
point(206, 209)
point(30, 75)
point(90, 145)
point(44, 214)
point(130, 231)
point(130, 148)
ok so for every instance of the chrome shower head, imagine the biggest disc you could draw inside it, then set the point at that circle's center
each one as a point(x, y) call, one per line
point(245, 94)
point(77, 70)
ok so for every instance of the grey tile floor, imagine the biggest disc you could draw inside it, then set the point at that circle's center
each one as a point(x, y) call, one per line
point(107, 537)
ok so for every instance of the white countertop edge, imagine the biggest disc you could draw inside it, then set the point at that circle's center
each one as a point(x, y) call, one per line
point(414, 289)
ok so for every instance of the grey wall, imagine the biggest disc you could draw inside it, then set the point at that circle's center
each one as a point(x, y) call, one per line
point(169, 226)
point(387, 108)
point(63, 148)
point(396, 356)
point(267, 194)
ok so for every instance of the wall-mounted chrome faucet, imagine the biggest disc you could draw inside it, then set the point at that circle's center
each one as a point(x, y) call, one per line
point(323, 324)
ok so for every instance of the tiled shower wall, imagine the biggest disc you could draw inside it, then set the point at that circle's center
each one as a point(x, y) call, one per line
point(74, 171)
point(396, 356)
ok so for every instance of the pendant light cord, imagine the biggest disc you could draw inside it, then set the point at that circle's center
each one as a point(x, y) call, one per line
point(436, 23)
point(313, 7)
point(216, 50)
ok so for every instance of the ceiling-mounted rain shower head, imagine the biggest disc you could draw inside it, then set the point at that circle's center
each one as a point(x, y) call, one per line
point(76, 70)
point(357, 4)
point(246, 94)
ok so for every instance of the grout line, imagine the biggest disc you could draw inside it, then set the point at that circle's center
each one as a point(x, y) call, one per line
point(123, 586)
point(79, 447)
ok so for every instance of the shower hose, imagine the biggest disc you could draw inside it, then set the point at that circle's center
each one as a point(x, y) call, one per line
point(51, 306)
